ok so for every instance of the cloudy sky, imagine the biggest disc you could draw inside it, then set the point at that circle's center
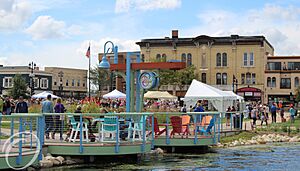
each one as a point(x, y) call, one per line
point(57, 32)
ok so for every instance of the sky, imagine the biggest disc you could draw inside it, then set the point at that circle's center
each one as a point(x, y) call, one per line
point(58, 32)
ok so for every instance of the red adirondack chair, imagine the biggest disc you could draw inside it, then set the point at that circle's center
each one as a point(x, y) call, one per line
point(157, 131)
point(178, 127)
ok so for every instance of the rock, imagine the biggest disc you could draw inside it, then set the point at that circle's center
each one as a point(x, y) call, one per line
point(159, 151)
point(55, 162)
point(48, 154)
point(69, 162)
point(293, 139)
point(30, 169)
point(60, 159)
point(68, 158)
point(46, 163)
point(49, 158)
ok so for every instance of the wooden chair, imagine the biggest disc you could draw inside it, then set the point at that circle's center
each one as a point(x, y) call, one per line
point(75, 128)
point(185, 122)
point(178, 127)
point(157, 131)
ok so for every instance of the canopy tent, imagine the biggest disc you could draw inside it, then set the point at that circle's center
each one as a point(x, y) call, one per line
point(240, 98)
point(115, 94)
point(44, 95)
point(159, 95)
point(200, 91)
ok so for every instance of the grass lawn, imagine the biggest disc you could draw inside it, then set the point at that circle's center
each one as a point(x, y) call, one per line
point(243, 135)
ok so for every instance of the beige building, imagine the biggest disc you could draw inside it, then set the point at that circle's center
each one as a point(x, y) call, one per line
point(68, 82)
point(217, 59)
point(282, 74)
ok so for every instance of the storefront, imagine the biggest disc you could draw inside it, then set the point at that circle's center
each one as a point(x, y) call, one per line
point(250, 93)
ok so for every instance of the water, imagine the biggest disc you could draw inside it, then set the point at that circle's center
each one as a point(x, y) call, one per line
point(264, 157)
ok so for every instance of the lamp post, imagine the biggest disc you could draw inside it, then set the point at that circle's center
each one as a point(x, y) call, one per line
point(60, 75)
point(32, 67)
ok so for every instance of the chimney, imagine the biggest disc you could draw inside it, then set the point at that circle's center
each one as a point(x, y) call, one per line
point(175, 34)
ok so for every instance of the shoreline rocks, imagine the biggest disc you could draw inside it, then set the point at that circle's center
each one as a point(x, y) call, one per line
point(261, 139)
point(50, 161)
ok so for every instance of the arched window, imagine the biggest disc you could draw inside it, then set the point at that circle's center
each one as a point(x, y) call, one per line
point(189, 59)
point(224, 78)
point(164, 58)
point(248, 78)
point(183, 57)
point(218, 59)
point(218, 79)
point(158, 57)
point(297, 82)
point(269, 84)
point(273, 82)
point(224, 59)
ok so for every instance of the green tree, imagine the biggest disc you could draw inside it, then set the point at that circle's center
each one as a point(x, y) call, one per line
point(20, 87)
point(298, 94)
point(100, 77)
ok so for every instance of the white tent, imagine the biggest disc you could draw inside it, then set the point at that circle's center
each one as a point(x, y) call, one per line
point(159, 95)
point(115, 95)
point(237, 96)
point(200, 91)
point(44, 95)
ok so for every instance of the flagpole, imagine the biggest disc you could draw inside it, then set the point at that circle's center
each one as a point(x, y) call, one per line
point(89, 74)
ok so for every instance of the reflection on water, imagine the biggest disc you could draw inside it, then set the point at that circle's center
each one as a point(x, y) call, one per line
point(264, 157)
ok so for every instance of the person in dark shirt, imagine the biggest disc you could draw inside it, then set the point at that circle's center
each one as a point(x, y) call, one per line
point(21, 106)
point(7, 107)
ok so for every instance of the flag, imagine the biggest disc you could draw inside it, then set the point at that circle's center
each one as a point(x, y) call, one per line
point(88, 52)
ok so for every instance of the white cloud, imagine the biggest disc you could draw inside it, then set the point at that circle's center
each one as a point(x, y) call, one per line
point(145, 5)
point(13, 14)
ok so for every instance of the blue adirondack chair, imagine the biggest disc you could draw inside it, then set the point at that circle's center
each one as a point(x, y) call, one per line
point(209, 127)
point(109, 125)
point(75, 128)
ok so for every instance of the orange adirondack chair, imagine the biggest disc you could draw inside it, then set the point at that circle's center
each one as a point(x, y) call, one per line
point(178, 127)
point(206, 120)
point(185, 122)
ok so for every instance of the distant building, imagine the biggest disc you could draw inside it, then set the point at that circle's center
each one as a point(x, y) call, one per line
point(42, 79)
point(68, 82)
point(217, 60)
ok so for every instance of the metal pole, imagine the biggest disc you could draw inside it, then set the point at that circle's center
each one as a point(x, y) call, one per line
point(89, 75)
point(138, 88)
point(128, 61)
point(81, 146)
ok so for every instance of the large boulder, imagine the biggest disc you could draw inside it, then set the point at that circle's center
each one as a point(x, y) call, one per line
point(46, 163)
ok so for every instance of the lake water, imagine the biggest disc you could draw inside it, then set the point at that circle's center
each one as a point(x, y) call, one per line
point(263, 157)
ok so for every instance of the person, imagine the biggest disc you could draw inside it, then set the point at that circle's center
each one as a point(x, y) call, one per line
point(292, 113)
point(59, 119)
point(78, 110)
point(254, 113)
point(21, 106)
point(183, 109)
point(1, 104)
point(199, 108)
point(7, 106)
point(282, 115)
point(264, 116)
point(191, 116)
point(47, 107)
point(227, 115)
point(273, 112)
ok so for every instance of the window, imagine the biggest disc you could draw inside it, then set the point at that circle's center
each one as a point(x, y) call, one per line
point(158, 57)
point(44, 83)
point(218, 79)
point(296, 82)
point(164, 58)
point(83, 84)
point(8, 82)
point(274, 66)
point(248, 78)
point(183, 57)
point(143, 58)
point(224, 59)
point(273, 82)
point(73, 83)
point(251, 59)
point(36, 82)
point(293, 65)
point(243, 78)
point(269, 83)
point(285, 83)
point(203, 77)
point(203, 61)
point(224, 78)
point(245, 59)
point(55, 83)
point(253, 78)
point(78, 83)
point(189, 59)
point(218, 59)
point(67, 83)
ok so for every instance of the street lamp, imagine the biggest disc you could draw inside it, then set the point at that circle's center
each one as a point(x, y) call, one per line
point(32, 67)
point(60, 75)
point(104, 62)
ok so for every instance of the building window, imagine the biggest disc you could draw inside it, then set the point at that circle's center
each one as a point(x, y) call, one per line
point(158, 57)
point(143, 58)
point(273, 82)
point(248, 78)
point(269, 84)
point(251, 59)
point(73, 83)
point(78, 83)
point(189, 59)
point(183, 57)
point(274, 66)
point(36, 82)
point(253, 78)
point(164, 58)
point(245, 59)
point(203, 77)
point(224, 78)
point(224, 59)
point(285, 83)
point(297, 82)
point(44, 83)
point(218, 59)
point(67, 83)
point(243, 78)
point(83, 84)
point(203, 61)
point(218, 79)
point(55, 83)
point(8, 82)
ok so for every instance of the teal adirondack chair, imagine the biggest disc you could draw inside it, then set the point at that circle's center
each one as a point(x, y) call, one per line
point(76, 128)
point(109, 125)
point(137, 128)
point(209, 127)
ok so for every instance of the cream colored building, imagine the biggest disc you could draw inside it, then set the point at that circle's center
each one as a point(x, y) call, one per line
point(217, 59)
point(282, 76)
point(68, 82)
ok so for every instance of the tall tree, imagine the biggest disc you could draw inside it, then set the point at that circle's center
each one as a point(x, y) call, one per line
point(100, 77)
point(20, 87)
